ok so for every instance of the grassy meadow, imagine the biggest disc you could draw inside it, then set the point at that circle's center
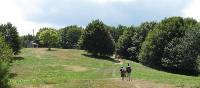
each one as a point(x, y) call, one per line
point(71, 68)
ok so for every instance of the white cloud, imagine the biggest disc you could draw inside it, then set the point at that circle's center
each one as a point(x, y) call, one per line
point(192, 10)
point(27, 15)
point(24, 13)
point(17, 11)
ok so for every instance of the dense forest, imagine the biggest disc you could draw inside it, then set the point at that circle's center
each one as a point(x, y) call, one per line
point(172, 44)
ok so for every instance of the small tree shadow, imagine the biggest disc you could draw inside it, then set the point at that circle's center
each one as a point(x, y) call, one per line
point(17, 58)
point(175, 71)
point(12, 75)
point(181, 72)
point(102, 58)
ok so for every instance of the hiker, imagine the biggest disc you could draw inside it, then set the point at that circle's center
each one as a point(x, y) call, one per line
point(123, 72)
point(128, 71)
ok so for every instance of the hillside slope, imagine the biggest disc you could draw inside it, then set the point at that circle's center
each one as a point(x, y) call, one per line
point(70, 68)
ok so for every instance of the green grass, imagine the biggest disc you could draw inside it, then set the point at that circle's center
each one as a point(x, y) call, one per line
point(70, 68)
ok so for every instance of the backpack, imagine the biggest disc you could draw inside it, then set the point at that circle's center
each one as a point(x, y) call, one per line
point(128, 69)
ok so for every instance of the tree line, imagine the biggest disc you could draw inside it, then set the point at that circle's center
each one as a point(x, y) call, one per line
point(171, 44)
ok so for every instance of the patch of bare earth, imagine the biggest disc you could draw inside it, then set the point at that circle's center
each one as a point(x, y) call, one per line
point(118, 61)
point(63, 55)
point(58, 53)
point(117, 83)
point(75, 68)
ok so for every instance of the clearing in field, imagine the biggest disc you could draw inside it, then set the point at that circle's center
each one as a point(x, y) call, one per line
point(71, 68)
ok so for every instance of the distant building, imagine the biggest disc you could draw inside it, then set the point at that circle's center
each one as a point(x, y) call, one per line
point(31, 44)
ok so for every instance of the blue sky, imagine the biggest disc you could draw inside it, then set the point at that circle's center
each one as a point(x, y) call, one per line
point(27, 15)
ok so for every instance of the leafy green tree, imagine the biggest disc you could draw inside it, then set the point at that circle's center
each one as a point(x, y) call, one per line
point(97, 40)
point(153, 46)
point(124, 44)
point(74, 35)
point(129, 44)
point(144, 29)
point(189, 23)
point(48, 37)
point(165, 35)
point(69, 36)
point(181, 54)
point(37, 40)
point(117, 32)
point(139, 38)
point(63, 37)
point(9, 32)
point(5, 57)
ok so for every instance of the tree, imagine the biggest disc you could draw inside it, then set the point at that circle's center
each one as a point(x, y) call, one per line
point(97, 40)
point(74, 34)
point(153, 46)
point(139, 38)
point(63, 37)
point(69, 36)
point(129, 44)
point(48, 37)
point(182, 54)
point(117, 32)
point(37, 40)
point(166, 35)
point(5, 57)
point(124, 44)
point(9, 32)
point(189, 23)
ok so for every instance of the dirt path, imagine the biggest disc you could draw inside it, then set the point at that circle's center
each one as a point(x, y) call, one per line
point(119, 61)
point(118, 83)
